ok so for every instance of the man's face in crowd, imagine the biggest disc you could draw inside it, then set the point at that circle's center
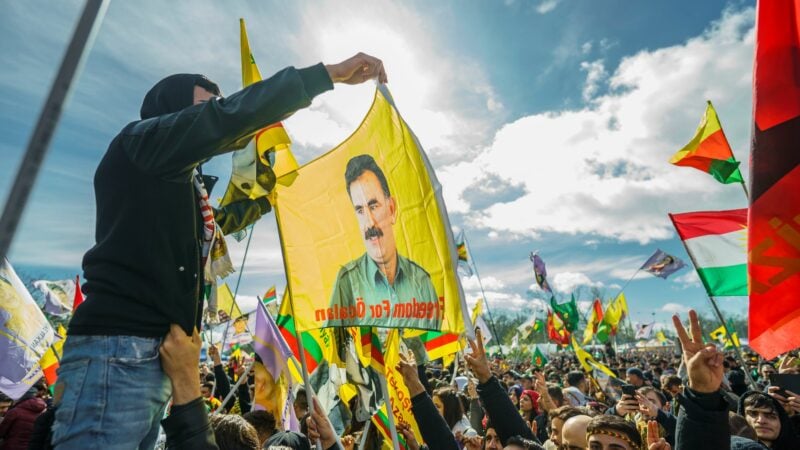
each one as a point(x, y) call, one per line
point(376, 215)
point(766, 371)
point(527, 383)
point(555, 430)
point(605, 442)
point(491, 441)
point(765, 421)
point(201, 95)
point(205, 391)
point(634, 380)
point(654, 398)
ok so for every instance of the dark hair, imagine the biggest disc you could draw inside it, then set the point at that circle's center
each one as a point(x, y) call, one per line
point(575, 377)
point(301, 399)
point(526, 444)
point(262, 421)
point(209, 386)
point(673, 380)
point(452, 410)
point(555, 394)
point(759, 400)
point(232, 432)
point(207, 84)
point(740, 427)
point(645, 389)
point(360, 164)
point(615, 423)
point(565, 412)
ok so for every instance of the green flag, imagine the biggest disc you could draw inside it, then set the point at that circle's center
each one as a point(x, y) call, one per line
point(539, 360)
point(567, 312)
point(538, 325)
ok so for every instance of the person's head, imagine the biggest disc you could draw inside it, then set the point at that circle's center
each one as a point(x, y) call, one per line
point(654, 395)
point(5, 403)
point(740, 427)
point(263, 422)
point(527, 382)
point(635, 376)
point(529, 401)
point(300, 403)
point(608, 432)
point(520, 443)
point(514, 393)
point(448, 405)
point(490, 439)
point(578, 380)
point(232, 432)
point(288, 439)
point(556, 394)
point(766, 370)
point(573, 433)
point(177, 92)
point(557, 418)
point(673, 384)
point(374, 206)
point(207, 389)
point(761, 413)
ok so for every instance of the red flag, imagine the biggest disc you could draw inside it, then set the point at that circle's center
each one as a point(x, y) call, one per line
point(598, 314)
point(558, 335)
point(78, 299)
point(774, 215)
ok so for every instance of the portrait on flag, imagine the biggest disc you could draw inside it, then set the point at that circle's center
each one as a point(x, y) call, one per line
point(662, 264)
point(365, 235)
point(25, 335)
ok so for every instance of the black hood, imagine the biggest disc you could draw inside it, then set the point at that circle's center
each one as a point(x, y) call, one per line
point(173, 94)
point(788, 437)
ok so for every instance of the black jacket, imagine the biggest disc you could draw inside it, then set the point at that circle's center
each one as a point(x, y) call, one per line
point(144, 271)
point(501, 412)
point(432, 427)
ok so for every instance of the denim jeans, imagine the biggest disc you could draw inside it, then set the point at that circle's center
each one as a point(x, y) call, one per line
point(114, 393)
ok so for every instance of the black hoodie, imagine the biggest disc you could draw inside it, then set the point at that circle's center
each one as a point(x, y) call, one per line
point(144, 271)
point(788, 439)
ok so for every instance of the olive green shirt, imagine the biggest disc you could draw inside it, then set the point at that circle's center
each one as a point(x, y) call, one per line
point(361, 288)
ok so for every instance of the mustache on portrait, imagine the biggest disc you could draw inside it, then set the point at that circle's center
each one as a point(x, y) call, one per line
point(373, 232)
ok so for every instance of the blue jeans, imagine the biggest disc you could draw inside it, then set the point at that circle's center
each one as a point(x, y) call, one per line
point(114, 393)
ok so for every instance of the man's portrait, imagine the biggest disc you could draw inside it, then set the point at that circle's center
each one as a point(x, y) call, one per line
point(382, 287)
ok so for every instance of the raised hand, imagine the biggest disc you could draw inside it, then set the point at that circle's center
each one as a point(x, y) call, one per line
point(408, 369)
point(790, 401)
point(408, 435)
point(703, 361)
point(477, 359)
point(357, 69)
point(653, 441)
point(789, 364)
point(646, 407)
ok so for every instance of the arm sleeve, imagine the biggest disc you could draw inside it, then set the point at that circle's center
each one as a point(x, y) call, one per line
point(505, 418)
point(239, 215)
point(243, 391)
point(476, 415)
point(188, 428)
point(669, 423)
point(223, 385)
point(5, 424)
point(432, 426)
point(172, 144)
point(702, 421)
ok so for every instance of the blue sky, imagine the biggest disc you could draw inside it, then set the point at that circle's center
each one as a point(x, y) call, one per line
point(549, 122)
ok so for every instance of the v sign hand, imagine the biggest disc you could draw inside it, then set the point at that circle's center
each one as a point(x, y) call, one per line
point(703, 361)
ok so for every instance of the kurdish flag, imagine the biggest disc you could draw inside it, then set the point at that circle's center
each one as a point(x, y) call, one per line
point(717, 243)
point(438, 344)
point(709, 151)
point(270, 296)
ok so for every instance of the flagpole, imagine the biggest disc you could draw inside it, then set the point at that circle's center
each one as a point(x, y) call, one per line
point(364, 434)
point(235, 290)
point(746, 192)
point(297, 334)
point(718, 313)
point(233, 390)
point(389, 411)
point(480, 283)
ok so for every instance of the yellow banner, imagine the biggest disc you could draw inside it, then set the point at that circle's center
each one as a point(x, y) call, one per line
point(398, 392)
point(365, 234)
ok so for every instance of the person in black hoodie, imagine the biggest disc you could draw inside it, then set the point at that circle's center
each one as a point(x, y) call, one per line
point(769, 419)
point(146, 270)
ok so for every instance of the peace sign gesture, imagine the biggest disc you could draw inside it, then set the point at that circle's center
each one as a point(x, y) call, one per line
point(477, 359)
point(703, 361)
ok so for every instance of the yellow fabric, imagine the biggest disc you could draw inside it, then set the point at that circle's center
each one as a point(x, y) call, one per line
point(588, 333)
point(709, 125)
point(53, 354)
point(225, 301)
point(251, 161)
point(661, 337)
point(588, 362)
point(321, 234)
point(346, 392)
point(398, 392)
point(477, 311)
point(616, 310)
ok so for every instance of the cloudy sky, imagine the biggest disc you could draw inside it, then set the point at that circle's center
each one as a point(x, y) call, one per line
point(549, 122)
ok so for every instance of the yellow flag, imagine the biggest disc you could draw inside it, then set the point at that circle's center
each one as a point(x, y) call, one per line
point(477, 311)
point(661, 337)
point(616, 310)
point(227, 304)
point(398, 392)
point(588, 362)
point(365, 236)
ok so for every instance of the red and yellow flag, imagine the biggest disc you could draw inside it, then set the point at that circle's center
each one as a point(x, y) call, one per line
point(774, 215)
point(709, 150)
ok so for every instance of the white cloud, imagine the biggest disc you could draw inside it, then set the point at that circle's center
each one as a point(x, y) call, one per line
point(688, 279)
point(602, 170)
point(584, 305)
point(595, 75)
point(473, 284)
point(567, 282)
point(586, 47)
point(674, 308)
point(546, 6)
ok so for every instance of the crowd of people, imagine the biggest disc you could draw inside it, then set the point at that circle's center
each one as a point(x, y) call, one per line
point(661, 400)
